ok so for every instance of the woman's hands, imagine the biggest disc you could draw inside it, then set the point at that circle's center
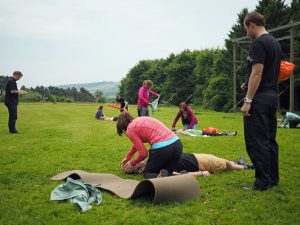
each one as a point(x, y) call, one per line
point(123, 162)
point(126, 166)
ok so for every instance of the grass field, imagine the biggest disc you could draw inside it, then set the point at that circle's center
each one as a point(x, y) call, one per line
point(59, 137)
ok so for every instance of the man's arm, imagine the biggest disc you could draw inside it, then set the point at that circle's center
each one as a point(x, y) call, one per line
point(197, 173)
point(253, 85)
point(20, 92)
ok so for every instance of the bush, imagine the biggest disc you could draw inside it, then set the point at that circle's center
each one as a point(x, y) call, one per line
point(31, 97)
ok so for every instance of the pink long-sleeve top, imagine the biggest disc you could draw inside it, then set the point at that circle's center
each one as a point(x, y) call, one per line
point(144, 96)
point(191, 116)
point(145, 130)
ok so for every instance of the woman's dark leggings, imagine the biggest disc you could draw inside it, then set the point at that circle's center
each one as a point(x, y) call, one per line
point(163, 158)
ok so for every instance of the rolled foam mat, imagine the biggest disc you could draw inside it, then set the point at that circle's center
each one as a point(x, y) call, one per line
point(174, 188)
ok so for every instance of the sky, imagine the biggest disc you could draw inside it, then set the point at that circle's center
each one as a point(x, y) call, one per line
point(55, 42)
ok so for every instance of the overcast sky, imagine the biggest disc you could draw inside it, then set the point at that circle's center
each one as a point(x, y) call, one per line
point(57, 42)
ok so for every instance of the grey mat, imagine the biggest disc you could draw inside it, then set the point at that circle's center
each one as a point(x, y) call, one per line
point(175, 188)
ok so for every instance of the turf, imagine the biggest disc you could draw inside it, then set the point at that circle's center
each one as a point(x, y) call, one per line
point(57, 137)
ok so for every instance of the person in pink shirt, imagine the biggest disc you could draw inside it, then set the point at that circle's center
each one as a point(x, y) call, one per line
point(144, 98)
point(166, 147)
point(188, 118)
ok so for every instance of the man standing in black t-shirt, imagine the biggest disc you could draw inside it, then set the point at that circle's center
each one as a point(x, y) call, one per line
point(260, 103)
point(11, 100)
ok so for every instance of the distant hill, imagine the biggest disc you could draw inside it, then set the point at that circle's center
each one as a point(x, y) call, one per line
point(109, 88)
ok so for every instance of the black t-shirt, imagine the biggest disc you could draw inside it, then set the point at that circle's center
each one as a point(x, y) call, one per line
point(267, 51)
point(11, 99)
point(121, 101)
point(187, 162)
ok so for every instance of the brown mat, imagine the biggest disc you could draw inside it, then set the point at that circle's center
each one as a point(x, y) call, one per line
point(175, 188)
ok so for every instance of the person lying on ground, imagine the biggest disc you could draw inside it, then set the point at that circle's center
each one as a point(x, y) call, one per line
point(100, 116)
point(197, 164)
point(289, 120)
point(188, 118)
point(165, 150)
point(197, 133)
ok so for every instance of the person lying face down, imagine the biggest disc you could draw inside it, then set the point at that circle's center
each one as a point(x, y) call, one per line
point(200, 165)
point(195, 133)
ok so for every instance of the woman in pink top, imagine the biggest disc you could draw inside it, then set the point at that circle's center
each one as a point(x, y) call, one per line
point(144, 98)
point(189, 120)
point(165, 149)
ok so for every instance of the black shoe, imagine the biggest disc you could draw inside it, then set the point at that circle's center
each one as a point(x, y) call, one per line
point(183, 172)
point(257, 188)
point(241, 161)
point(115, 118)
point(163, 173)
point(13, 132)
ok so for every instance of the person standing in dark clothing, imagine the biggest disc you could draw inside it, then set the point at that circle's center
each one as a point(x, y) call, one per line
point(123, 103)
point(260, 103)
point(11, 100)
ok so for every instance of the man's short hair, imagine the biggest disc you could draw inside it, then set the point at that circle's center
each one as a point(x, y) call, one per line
point(256, 18)
point(17, 73)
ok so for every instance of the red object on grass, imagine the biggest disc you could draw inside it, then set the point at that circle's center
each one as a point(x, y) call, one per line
point(210, 130)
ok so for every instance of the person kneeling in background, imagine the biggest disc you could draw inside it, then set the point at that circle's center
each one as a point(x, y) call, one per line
point(289, 120)
point(188, 118)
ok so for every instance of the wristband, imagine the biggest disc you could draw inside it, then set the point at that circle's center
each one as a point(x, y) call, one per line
point(247, 100)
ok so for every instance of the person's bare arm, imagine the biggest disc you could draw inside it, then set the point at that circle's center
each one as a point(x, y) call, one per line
point(20, 92)
point(253, 85)
point(197, 173)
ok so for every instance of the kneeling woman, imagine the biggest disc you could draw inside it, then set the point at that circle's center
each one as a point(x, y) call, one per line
point(166, 147)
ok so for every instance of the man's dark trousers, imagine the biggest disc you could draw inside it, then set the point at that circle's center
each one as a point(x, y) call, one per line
point(12, 110)
point(260, 138)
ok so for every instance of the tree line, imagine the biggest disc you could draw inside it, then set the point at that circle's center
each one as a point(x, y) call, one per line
point(207, 75)
point(203, 77)
point(53, 94)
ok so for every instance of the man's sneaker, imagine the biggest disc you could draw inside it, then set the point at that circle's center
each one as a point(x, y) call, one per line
point(163, 173)
point(13, 132)
point(234, 133)
point(183, 172)
point(115, 118)
point(241, 161)
point(228, 133)
point(250, 166)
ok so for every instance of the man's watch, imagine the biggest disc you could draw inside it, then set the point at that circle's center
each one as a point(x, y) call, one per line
point(247, 100)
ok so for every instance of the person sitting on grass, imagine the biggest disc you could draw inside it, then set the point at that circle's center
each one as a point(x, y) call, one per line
point(189, 120)
point(197, 133)
point(199, 165)
point(289, 120)
point(100, 116)
point(165, 150)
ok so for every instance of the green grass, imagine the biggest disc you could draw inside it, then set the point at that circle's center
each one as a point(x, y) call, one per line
point(59, 137)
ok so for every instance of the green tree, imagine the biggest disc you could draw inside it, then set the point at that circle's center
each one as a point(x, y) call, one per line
point(99, 96)
point(3, 81)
